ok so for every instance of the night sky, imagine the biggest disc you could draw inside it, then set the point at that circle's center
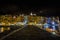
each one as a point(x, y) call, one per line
point(26, 7)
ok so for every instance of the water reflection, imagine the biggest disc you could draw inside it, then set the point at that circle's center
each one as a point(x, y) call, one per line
point(2, 29)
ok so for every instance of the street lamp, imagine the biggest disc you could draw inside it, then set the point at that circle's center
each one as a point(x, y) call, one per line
point(31, 13)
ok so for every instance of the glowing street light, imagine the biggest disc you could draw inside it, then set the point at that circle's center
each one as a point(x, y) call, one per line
point(31, 13)
point(14, 17)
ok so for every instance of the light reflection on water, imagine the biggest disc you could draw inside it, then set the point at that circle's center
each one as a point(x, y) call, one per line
point(11, 28)
point(2, 29)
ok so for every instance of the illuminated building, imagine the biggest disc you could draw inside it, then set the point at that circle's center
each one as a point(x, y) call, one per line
point(32, 19)
point(48, 20)
point(25, 19)
point(53, 25)
point(46, 25)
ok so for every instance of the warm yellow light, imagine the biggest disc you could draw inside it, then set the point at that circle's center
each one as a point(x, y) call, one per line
point(2, 29)
point(8, 28)
point(3, 23)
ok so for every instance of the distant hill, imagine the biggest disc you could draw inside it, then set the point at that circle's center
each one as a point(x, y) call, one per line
point(31, 33)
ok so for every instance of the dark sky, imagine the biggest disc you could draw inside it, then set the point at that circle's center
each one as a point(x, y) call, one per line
point(48, 8)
